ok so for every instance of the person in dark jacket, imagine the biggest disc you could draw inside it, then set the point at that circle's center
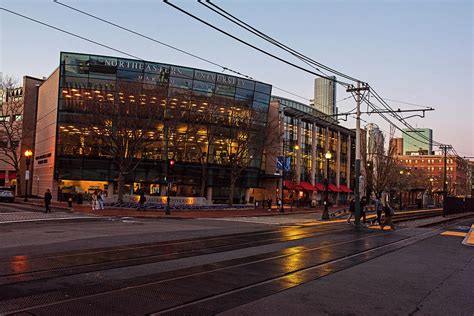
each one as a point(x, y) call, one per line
point(141, 201)
point(351, 208)
point(389, 212)
point(47, 201)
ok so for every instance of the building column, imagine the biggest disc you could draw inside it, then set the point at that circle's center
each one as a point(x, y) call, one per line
point(338, 163)
point(247, 196)
point(110, 191)
point(298, 152)
point(209, 195)
point(313, 159)
point(349, 149)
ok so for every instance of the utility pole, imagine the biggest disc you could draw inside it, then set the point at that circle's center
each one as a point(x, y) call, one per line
point(357, 90)
point(445, 180)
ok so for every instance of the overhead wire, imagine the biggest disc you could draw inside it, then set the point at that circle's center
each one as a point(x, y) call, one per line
point(307, 60)
point(253, 46)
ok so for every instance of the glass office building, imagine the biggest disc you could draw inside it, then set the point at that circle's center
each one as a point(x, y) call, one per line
point(200, 119)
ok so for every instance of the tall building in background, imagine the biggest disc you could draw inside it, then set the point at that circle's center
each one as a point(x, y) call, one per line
point(396, 146)
point(375, 141)
point(325, 96)
point(418, 141)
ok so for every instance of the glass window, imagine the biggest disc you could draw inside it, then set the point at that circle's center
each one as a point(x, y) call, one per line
point(226, 80)
point(129, 75)
point(203, 86)
point(75, 59)
point(75, 82)
point(205, 75)
point(79, 71)
point(225, 90)
point(131, 65)
point(261, 107)
point(99, 84)
point(262, 97)
point(264, 88)
point(246, 84)
point(181, 83)
point(181, 72)
point(243, 93)
point(103, 67)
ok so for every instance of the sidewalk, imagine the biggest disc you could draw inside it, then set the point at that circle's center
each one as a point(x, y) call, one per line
point(185, 214)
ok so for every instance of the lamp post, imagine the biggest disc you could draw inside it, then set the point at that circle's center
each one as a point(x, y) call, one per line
point(328, 156)
point(282, 209)
point(28, 154)
point(169, 171)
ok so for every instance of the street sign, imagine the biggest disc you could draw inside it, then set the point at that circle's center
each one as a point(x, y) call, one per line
point(283, 164)
point(27, 175)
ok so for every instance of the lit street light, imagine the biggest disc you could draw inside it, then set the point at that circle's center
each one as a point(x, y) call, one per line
point(28, 154)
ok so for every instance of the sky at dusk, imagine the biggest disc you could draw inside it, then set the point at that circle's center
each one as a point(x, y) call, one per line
point(414, 51)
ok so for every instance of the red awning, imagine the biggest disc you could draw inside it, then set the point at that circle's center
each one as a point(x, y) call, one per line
point(343, 188)
point(333, 188)
point(289, 185)
point(307, 186)
point(319, 186)
point(12, 175)
point(2, 174)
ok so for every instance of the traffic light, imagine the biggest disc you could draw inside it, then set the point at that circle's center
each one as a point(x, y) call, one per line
point(171, 165)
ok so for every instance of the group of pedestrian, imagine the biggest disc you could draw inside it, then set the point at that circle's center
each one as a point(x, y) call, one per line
point(97, 200)
point(379, 206)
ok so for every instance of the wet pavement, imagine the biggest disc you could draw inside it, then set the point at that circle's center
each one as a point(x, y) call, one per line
point(205, 273)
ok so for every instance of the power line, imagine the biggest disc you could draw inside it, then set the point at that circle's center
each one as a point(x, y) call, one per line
point(252, 46)
point(253, 30)
point(121, 51)
point(70, 33)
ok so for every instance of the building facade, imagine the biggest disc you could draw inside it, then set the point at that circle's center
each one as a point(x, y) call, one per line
point(302, 141)
point(432, 168)
point(396, 146)
point(18, 108)
point(210, 123)
point(418, 141)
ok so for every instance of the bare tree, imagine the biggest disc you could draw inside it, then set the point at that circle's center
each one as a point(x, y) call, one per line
point(125, 125)
point(11, 113)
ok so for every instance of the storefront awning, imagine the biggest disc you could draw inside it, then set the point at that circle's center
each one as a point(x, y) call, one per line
point(12, 175)
point(307, 186)
point(289, 185)
point(343, 188)
point(319, 187)
point(333, 188)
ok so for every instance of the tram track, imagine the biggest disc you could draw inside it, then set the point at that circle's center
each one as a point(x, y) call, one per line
point(274, 272)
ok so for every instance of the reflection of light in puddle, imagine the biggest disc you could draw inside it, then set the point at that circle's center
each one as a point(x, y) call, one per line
point(19, 264)
point(294, 262)
point(452, 233)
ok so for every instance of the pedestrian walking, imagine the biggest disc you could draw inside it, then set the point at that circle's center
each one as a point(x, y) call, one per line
point(100, 200)
point(363, 210)
point(351, 208)
point(94, 200)
point(141, 201)
point(378, 210)
point(47, 201)
point(389, 212)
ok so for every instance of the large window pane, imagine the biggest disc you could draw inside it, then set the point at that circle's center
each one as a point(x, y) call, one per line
point(181, 83)
point(206, 87)
point(204, 75)
point(75, 59)
point(246, 84)
point(243, 94)
point(225, 90)
point(182, 72)
point(264, 88)
point(262, 97)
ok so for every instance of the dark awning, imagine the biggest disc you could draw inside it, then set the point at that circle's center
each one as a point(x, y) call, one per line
point(333, 188)
point(343, 188)
point(319, 187)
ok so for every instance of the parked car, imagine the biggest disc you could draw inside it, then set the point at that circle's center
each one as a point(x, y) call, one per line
point(7, 194)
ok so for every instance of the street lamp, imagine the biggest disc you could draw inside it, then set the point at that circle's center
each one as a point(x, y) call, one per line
point(28, 154)
point(328, 156)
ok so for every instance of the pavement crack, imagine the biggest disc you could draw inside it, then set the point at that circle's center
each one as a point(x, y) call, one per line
point(419, 305)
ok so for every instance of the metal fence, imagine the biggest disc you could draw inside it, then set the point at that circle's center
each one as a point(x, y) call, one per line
point(455, 205)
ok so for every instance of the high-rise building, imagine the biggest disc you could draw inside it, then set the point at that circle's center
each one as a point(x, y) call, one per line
point(375, 141)
point(325, 96)
point(418, 141)
point(396, 146)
